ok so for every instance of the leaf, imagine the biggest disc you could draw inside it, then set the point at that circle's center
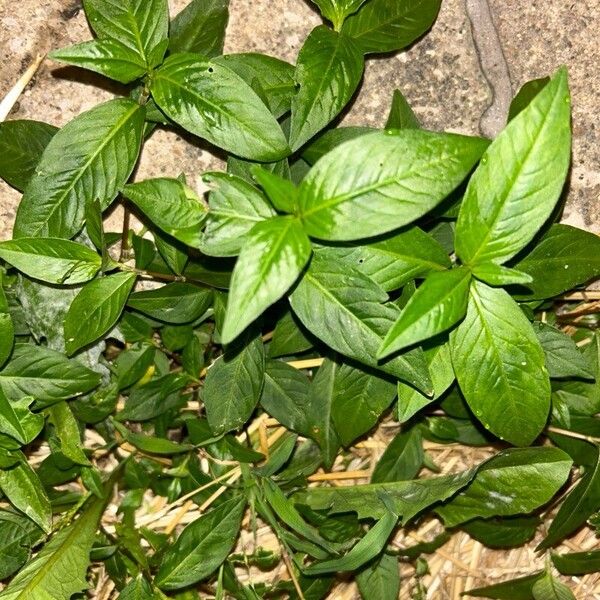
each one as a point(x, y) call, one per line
point(581, 502)
point(383, 180)
point(150, 444)
point(96, 309)
point(520, 178)
point(330, 139)
point(233, 385)
point(382, 26)
point(402, 459)
point(395, 260)
point(514, 589)
point(17, 421)
point(336, 11)
point(170, 205)
point(211, 101)
point(132, 364)
point(288, 337)
point(89, 159)
point(46, 375)
point(138, 589)
point(438, 304)
point(498, 490)
point(52, 260)
point(380, 580)
point(18, 535)
point(67, 431)
point(7, 336)
point(200, 27)
point(563, 258)
point(235, 207)
point(401, 114)
point(529, 90)
point(509, 392)
point(503, 533)
point(281, 191)
point(202, 546)
point(328, 71)
point(550, 588)
point(577, 563)
point(343, 308)
point(496, 275)
point(175, 303)
point(59, 570)
point(272, 258)
point(22, 143)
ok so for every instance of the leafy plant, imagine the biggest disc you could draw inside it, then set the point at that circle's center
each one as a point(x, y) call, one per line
point(333, 278)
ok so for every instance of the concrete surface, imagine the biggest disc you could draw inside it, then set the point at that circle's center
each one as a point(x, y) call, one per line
point(456, 78)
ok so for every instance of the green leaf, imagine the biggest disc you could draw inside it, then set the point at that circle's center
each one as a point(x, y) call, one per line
point(272, 258)
point(213, 102)
point(401, 114)
point(514, 589)
point(525, 95)
point(202, 546)
point(138, 589)
point(577, 563)
point(52, 260)
point(498, 490)
point(89, 159)
point(235, 207)
point(132, 364)
point(7, 336)
point(509, 391)
point(175, 303)
point(67, 431)
point(581, 502)
point(328, 71)
point(233, 385)
point(497, 275)
point(563, 258)
point(438, 304)
point(18, 421)
point(402, 459)
point(520, 178)
point(107, 57)
point(46, 375)
point(330, 139)
point(550, 588)
point(18, 535)
point(343, 308)
point(397, 259)
point(96, 309)
point(150, 444)
point(382, 181)
point(336, 11)
point(281, 191)
point(200, 27)
point(380, 580)
point(288, 337)
point(22, 143)
point(503, 533)
point(59, 570)
point(382, 26)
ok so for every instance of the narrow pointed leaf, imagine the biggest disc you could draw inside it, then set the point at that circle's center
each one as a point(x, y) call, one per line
point(337, 10)
point(401, 114)
point(497, 275)
point(520, 588)
point(550, 588)
point(281, 191)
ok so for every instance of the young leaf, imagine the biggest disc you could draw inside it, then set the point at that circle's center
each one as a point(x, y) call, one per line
point(53, 260)
point(70, 174)
point(281, 191)
point(382, 181)
point(18, 535)
point(213, 102)
point(514, 589)
point(328, 71)
point(96, 309)
point(550, 588)
point(22, 143)
point(439, 303)
point(525, 95)
point(67, 431)
point(521, 175)
point(402, 459)
point(18, 421)
point(383, 26)
point(497, 275)
point(336, 11)
point(172, 206)
point(272, 258)
point(509, 391)
point(138, 589)
point(343, 308)
point(132, 364)
point(401, 115)
point(380, 580)
point(202, 546)
point(233, 385)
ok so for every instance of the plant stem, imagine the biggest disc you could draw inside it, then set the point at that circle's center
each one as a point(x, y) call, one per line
point(124, 256)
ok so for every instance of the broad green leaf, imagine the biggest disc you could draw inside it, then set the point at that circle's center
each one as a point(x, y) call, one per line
point(132, 364)
point(107, 57)
point(281, 192)
point(18, 421)
point(67, 431)
point(342, 307)
point(359, 399)
point(21, 485)
point(513, 589)
point(200, 27)
point(336, 11)
point(89, 159)
point(46, 375)
point(509, 391)
point(22, 143)
point(235, 207)
point(175, 303)
point(382, 181)
point(380, 580)
point(438, 304)
point(288, 337)
point(330, 139)
point(503, 533)
point(396, 259)
point(383, 26)
point(563, 258)
point(497, 275)
point(202, 546)
point(462, 431)
point(59, 570)
point(138, 589)
point(498, 490)
point(18, 535)
point(328, 71)
point(174, 255)
point(550, 588)
point(52, 260)
point(7, 336)
point(213, 102)
point(172, 206)
point(525, 95)
point(96, 309)
point(581, 502)
point(520, 178)
point(272, 258)
point(402, 459)
point(577, 563)
point(233, 385)
point(563, 357)
point(401, 114)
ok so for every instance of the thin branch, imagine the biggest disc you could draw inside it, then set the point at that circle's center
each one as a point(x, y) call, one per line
point(11, 98)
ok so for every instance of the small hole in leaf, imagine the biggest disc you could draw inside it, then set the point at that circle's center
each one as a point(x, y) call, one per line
point(211, 70)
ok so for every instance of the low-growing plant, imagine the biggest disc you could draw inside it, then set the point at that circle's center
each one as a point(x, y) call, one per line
point(333, 278)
